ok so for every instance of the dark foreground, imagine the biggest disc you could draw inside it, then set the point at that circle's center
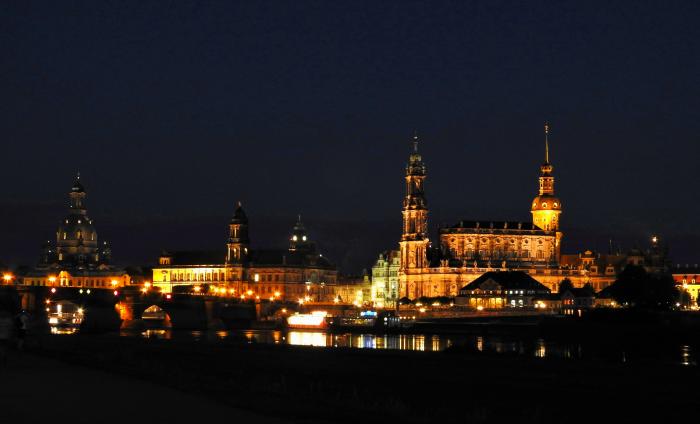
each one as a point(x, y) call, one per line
point(304, 384)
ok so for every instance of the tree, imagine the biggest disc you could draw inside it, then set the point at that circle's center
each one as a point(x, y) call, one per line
point(685, 299)
point(565, 285)
point(635, 287)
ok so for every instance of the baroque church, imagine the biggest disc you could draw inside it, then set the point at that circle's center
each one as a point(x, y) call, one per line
point(470, 248)
point(77, 259)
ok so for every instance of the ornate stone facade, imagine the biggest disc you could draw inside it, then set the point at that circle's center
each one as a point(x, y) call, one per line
point(468, 249)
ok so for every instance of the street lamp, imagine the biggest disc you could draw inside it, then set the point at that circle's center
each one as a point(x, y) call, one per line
point(7, 277)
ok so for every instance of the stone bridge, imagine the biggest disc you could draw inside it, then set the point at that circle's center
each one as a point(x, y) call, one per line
point(129, 308)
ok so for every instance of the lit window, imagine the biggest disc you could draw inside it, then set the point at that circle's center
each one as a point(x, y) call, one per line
point(256, 277)
point(294, 238)
point(303, 238)
point(544, 205)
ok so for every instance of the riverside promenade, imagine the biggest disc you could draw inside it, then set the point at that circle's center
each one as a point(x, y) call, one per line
point(35, 389)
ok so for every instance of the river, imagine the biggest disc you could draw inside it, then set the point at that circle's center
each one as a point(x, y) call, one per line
point(510, 345)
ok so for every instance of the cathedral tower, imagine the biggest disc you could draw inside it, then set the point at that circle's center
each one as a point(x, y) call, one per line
point(546, 207)
point(414, 239)
point(238, 242)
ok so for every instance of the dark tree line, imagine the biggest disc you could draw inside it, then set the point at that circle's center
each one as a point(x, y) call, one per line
point(635, 287)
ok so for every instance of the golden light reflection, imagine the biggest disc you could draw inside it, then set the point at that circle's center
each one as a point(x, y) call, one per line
point(307, 338)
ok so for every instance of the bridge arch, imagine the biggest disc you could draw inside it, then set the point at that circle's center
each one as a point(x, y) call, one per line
point(156, 316)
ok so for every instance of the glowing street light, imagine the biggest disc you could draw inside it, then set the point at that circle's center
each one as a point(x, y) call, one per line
point(7, 277)
point(114, 283)
point(197, 289)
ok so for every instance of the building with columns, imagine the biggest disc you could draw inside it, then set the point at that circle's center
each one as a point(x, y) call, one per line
point(468, 249)
point(77, 259)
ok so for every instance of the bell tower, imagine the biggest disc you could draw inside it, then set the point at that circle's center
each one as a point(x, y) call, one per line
point(414, 238)
point(238, 242)
point(546, 207)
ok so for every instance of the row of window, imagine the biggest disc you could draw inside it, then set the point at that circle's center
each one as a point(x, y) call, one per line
point(70, 283)
point(485, 240)
point(78, 235)
point(501, 254)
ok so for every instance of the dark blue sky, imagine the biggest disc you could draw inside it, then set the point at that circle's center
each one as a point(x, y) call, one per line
point(173, 111)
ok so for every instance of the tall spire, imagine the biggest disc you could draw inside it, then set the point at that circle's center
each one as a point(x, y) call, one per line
point(415, 141)
point(546, 142)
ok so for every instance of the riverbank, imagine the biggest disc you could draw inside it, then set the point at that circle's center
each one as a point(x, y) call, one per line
point(36, 389)
point(351, 385)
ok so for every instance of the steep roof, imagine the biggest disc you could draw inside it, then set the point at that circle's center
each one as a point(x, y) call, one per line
point(284, 257)
point(499, 226)
point(270, 257)
point(508, 280)
point(198, 257)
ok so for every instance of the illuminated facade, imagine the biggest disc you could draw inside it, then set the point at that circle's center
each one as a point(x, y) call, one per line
point(468, 249)
point(508, 289)
point(297, 273)
point(77, 260)
point(687, 278)
point(385, 279)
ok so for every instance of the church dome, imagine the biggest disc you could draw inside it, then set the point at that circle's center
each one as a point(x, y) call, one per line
point(546, 202)
point(76, 227)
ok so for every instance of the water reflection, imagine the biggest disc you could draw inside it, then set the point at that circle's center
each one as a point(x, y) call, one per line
point(307, 338)
point(541, 350)
point(63, 330)
point(514, 345)
point(686, 358)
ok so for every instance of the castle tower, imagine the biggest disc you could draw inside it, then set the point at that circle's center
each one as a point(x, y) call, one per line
point(546, 207)
point(414, 238)
point(238, 242)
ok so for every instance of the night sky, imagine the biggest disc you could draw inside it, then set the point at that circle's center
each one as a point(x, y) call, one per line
point(173, 111)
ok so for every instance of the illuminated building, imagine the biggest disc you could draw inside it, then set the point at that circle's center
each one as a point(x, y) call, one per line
point(502, 289)
point(299, 272)
point(77, 260)
point(687, 278)
point(468, 249)
point(385, 279)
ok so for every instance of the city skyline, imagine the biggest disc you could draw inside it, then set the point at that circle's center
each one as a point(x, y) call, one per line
point(275, 236)
point(310, 110)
